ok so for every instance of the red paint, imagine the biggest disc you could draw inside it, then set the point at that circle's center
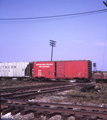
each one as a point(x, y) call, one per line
point(63, 69)
point(100, 75)
point(72, 69)
point(43, 69)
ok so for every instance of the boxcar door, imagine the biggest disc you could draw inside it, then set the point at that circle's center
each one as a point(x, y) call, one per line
point(10, 72)
point(60, 70)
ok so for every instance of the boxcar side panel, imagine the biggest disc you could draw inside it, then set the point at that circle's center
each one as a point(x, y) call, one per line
point(44, 69)
point(60, 69)
point(76, 69)
point(72, 69)
point(13, 69)
point(100, 75)
point(105, 75)
point(0, 69)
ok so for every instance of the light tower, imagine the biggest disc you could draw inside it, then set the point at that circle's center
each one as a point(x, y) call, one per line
point(52, 43)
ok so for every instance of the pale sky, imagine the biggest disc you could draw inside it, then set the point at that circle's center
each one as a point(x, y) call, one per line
point(82, 37)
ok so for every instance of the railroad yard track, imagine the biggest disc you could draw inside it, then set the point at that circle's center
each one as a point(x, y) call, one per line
point(32, 94)
point(17, 102)
point(52, 109)
point(28, 88)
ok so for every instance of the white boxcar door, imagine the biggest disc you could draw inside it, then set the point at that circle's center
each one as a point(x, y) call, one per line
point(10, 74)
point(14, 69)
point(0, 69)
point(2, 73)
point(5, 69)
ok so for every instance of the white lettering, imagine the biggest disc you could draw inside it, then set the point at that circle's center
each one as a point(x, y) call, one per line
point(43, 64)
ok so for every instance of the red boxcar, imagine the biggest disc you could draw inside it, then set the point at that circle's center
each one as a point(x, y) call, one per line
point(100, 76)
point(63, 69)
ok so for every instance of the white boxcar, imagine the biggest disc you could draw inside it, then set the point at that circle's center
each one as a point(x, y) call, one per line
point(13, 69)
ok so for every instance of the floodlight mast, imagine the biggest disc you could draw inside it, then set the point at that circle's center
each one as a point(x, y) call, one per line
point(52, 43)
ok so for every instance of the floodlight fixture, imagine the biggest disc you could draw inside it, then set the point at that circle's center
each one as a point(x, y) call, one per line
point(53, 44)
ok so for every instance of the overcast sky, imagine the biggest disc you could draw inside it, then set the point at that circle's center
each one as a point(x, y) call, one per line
point(81, 37)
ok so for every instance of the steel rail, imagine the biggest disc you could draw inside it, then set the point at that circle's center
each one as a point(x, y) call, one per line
point(32, 87)
point(60, 105)
point(53, 108)
point(31, 93)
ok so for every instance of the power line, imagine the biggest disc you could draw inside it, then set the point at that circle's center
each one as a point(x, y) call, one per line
point(57, 16)
point(105, 3)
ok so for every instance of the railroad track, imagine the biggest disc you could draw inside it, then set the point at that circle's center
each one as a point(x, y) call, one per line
point(27, 88)
point(51, 109)
point(32, 94)
point(10, 104)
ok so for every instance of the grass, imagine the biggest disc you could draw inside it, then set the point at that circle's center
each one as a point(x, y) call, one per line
point(91, 97)
point(7, 83)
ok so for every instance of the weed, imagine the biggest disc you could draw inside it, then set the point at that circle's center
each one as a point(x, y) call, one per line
point(92, 97)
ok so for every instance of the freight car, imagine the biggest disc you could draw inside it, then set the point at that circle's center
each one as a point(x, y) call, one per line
point(17, 70)
point(80, 70)
point(100, 76)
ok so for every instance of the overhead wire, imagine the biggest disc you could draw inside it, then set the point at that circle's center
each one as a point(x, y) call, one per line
point(56, 16)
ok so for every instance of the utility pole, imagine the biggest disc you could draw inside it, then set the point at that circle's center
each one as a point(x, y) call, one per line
point(52, 43)
point(105, 3)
